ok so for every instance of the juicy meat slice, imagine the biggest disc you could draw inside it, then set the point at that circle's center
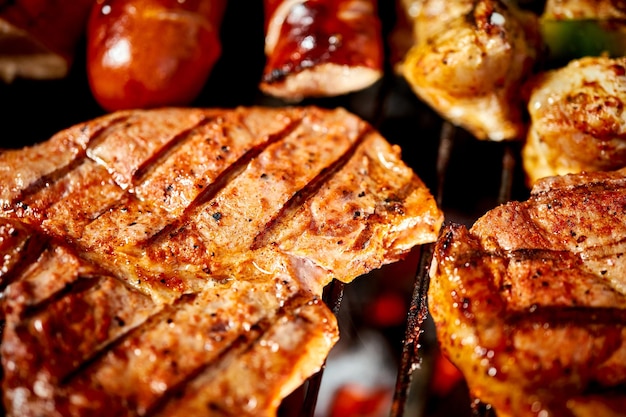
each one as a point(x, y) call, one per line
point(154, 259)
point(577, 118)
point(469, 62)
point(530, 302)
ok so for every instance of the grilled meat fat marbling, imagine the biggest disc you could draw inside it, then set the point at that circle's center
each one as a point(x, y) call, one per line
point(530, 302)
point(153, 260)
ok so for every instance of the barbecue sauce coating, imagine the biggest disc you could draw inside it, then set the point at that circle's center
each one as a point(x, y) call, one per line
point(314, 32)
point(320, 48)
point(149, 53)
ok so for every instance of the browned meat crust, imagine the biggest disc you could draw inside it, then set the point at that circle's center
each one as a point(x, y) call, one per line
point(154, 260)
point(577, 118)
point(530, 302)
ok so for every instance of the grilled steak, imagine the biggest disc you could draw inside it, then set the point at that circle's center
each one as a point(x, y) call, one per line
point(530, 302)
point(171, 261)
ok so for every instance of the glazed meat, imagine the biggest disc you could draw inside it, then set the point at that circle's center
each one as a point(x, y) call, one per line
point(321, 48)
point(469, 62)
point(530, 302)
point(38, 39)
point(153, 260)
point(577, 118)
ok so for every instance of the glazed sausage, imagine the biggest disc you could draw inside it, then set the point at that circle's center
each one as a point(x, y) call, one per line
point(320, 47)
point(38, 38)
point(150, 53)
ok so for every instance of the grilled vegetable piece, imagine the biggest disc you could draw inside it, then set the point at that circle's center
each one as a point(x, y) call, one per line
point(155, 259)
point(530, 302)
point(38, 38)
point(572, 39)
point(321, 48)
point(469, 63)
point(577, 118)
point(573, 29)
point(151, 53)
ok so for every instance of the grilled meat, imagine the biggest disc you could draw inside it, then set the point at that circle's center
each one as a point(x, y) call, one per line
point(321, 48)
point(178, 41)
point(577, 118)
point(584, 9)
point(530, 302)
point(171, 261)
point(469, 66)
point(38, 38)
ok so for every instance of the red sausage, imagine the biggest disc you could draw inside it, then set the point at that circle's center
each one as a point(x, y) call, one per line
point(151, 53)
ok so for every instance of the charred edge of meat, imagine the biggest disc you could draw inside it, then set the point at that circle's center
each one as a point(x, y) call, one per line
point(481, 17)
point(521, 255)
point(34, 245)
point(58, 174)
point(81, 284)
point(308, 191)
point(607, 185)
point(277, 75)
point(158, 317)
point(563, 316)
point(167, 150)
point(240, 345)
point(593, 388)
point(222, 180)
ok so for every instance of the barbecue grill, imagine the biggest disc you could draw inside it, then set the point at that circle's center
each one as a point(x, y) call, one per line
point(467, 176)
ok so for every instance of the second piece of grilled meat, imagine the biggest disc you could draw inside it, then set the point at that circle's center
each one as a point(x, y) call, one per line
point(530, 303)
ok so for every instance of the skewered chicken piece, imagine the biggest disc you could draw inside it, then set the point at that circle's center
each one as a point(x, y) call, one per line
point(469, 61)
point(530, 303)
point(319, 48)
point(577, 116)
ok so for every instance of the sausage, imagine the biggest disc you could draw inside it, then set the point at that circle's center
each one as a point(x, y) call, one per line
point(150, 53)
point(38, 38)
point(317, 48)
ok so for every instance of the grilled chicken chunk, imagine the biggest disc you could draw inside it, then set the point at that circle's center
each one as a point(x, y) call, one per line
point(171, 262)
point(530, 302)
point(469, 61)
point(577, 118)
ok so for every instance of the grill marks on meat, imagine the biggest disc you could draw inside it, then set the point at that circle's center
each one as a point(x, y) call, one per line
point(535, 292)
point(155, 259)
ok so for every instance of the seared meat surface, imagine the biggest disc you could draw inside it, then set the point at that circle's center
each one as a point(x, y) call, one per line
point(469, 61)
point(171, 261)
point(584, 9)
point(530, 302)
point(577, 118)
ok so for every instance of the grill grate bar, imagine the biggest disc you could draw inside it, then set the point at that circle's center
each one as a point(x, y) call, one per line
point(333, 295)
point(418, 309)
